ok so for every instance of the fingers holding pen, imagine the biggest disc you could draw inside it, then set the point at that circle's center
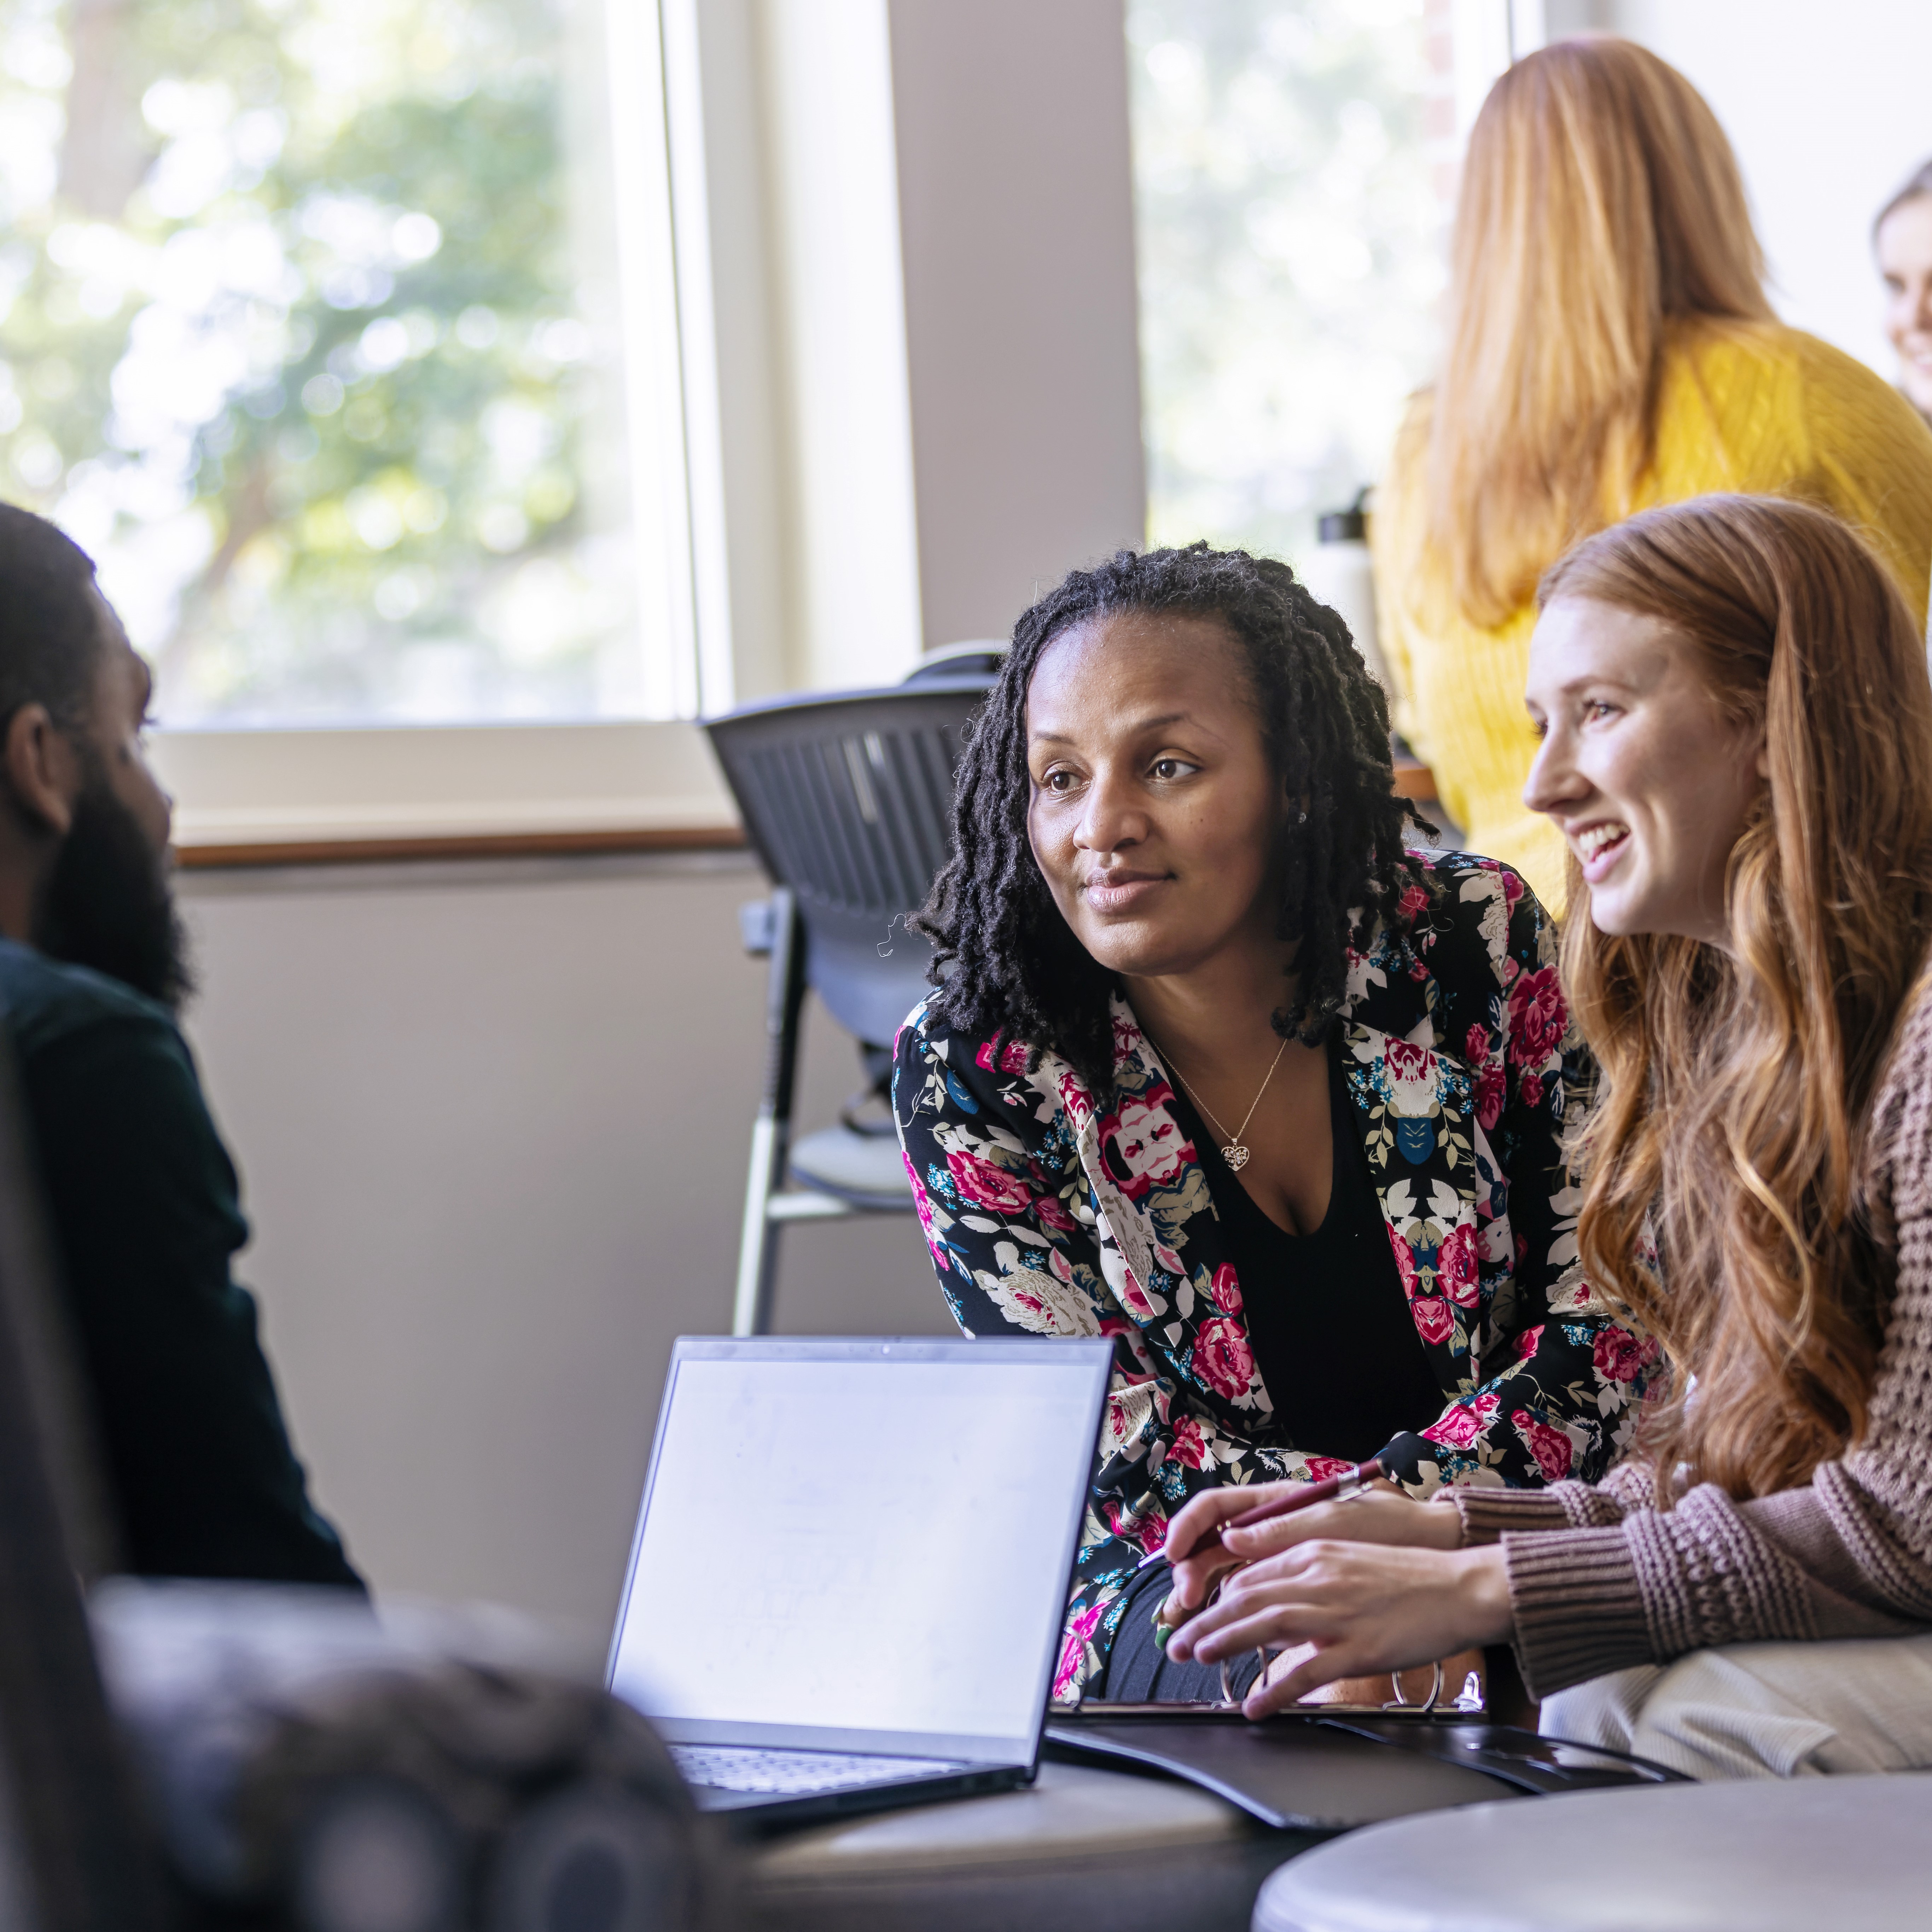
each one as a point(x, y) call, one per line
point(1195, 1545)
point(1295, 1558)
point(1400, 1599)
point(1209, 1558)
point(1202, 1544)
point(1202, 1517)
point(1195, 1577)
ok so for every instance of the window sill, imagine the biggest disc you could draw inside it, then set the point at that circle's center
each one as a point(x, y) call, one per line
point(264, 853)
point(332, 797)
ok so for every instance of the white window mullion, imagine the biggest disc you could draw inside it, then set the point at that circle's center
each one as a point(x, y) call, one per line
point(654, 377)
point(703, 439)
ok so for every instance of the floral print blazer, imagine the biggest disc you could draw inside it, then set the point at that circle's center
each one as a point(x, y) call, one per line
point(1055, 1211)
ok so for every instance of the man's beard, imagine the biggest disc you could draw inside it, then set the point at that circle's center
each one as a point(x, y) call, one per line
point(107, 903)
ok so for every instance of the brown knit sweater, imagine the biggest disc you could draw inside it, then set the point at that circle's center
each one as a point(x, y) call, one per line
point(1599, 1580)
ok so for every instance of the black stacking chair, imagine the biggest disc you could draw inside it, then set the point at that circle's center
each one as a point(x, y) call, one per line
point(74, 1853)
point(846, 799)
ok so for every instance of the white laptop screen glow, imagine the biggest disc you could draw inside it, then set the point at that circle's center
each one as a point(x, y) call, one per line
point(876, 1546)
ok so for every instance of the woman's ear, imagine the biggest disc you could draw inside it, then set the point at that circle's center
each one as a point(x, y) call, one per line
point(42, 770)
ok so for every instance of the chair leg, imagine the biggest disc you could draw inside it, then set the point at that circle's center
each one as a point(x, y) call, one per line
point(758, 1236)
point(771, 1132)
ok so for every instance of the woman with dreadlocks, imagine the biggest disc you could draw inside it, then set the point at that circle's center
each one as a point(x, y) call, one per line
point(1216, 1067)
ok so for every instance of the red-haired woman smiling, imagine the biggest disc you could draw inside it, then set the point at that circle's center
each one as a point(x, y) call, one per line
point(1735, 717)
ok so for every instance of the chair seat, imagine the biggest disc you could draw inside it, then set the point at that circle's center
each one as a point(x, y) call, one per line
point(1845, 1852)
point(868, 1170)
point(1079, 1847)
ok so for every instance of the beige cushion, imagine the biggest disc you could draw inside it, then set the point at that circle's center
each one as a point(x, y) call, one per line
point(1847, 1854)
point(1079, 1847)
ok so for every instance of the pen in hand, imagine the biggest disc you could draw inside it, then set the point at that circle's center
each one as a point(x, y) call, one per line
point(1306, 1497)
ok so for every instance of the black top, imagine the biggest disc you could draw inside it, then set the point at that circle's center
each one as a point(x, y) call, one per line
point(145, 1216)
point(1327, 1317)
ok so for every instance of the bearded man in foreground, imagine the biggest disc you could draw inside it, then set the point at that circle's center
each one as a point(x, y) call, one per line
point(143, 1202)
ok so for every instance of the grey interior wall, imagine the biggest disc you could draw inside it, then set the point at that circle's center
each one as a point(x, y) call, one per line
point(1016, 220)
point(491, 1123)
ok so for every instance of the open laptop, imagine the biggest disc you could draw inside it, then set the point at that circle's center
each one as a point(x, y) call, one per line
point(851, 1566)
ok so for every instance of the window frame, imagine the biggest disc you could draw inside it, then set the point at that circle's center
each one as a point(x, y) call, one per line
point(276, 795)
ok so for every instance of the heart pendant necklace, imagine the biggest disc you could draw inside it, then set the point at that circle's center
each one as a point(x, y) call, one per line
point(1235, 1153)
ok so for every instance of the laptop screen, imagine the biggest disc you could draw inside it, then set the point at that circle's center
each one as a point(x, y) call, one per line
point(860, 1545)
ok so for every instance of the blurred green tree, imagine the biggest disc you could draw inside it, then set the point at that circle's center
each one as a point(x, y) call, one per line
point(1291, 256)
point(299, 338)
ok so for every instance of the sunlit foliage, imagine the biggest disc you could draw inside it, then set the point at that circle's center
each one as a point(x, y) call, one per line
point(308, 333)
point(1291, 256)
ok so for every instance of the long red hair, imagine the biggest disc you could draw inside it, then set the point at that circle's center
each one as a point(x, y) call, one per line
point(1734, 1115)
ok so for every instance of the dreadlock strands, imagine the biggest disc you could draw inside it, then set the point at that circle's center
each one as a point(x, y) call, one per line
point(1005, 961)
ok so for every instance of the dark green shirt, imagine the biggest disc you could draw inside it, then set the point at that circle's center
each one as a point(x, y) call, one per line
point(146, 1217)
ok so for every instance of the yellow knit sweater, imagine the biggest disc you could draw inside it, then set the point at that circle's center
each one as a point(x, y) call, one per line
point(1762, 409)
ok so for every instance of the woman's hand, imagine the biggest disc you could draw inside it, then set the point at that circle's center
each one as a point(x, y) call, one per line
point(1380, 1513)
point(1366, 1608)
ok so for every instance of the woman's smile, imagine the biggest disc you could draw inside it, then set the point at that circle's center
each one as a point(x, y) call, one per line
point(1599, 847)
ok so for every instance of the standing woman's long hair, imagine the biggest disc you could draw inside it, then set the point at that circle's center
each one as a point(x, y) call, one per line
point(1601, 214)
point(1736, 1106)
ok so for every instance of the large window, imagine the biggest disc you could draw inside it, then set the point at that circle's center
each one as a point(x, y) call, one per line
point(1286, 160)
point(337, 331)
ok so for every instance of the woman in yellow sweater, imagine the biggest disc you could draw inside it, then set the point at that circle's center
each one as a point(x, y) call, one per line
point(1610, 347)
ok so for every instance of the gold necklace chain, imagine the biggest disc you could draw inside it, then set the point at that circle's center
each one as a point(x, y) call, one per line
point(1235, 1153)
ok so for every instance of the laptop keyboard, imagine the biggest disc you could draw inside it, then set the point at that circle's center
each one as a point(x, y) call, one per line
point(747, 1768)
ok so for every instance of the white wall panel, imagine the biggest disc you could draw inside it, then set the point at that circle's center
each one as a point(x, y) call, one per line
point(1826, 107)
point(491, 1123)
point(1016, 204)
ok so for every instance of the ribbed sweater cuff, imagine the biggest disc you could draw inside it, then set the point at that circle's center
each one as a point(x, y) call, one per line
point(1579, 1610)
point(1487, 1512)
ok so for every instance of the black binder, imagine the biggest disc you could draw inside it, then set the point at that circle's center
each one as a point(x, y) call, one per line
point(1330, 1768)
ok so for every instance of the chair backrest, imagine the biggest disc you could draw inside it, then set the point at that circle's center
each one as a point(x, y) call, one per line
point(981, 657)
point(74, 1856)
point(848, 799)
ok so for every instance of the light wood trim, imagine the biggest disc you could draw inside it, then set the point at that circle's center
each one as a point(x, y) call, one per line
point(1417, 781)
point(459, 845)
